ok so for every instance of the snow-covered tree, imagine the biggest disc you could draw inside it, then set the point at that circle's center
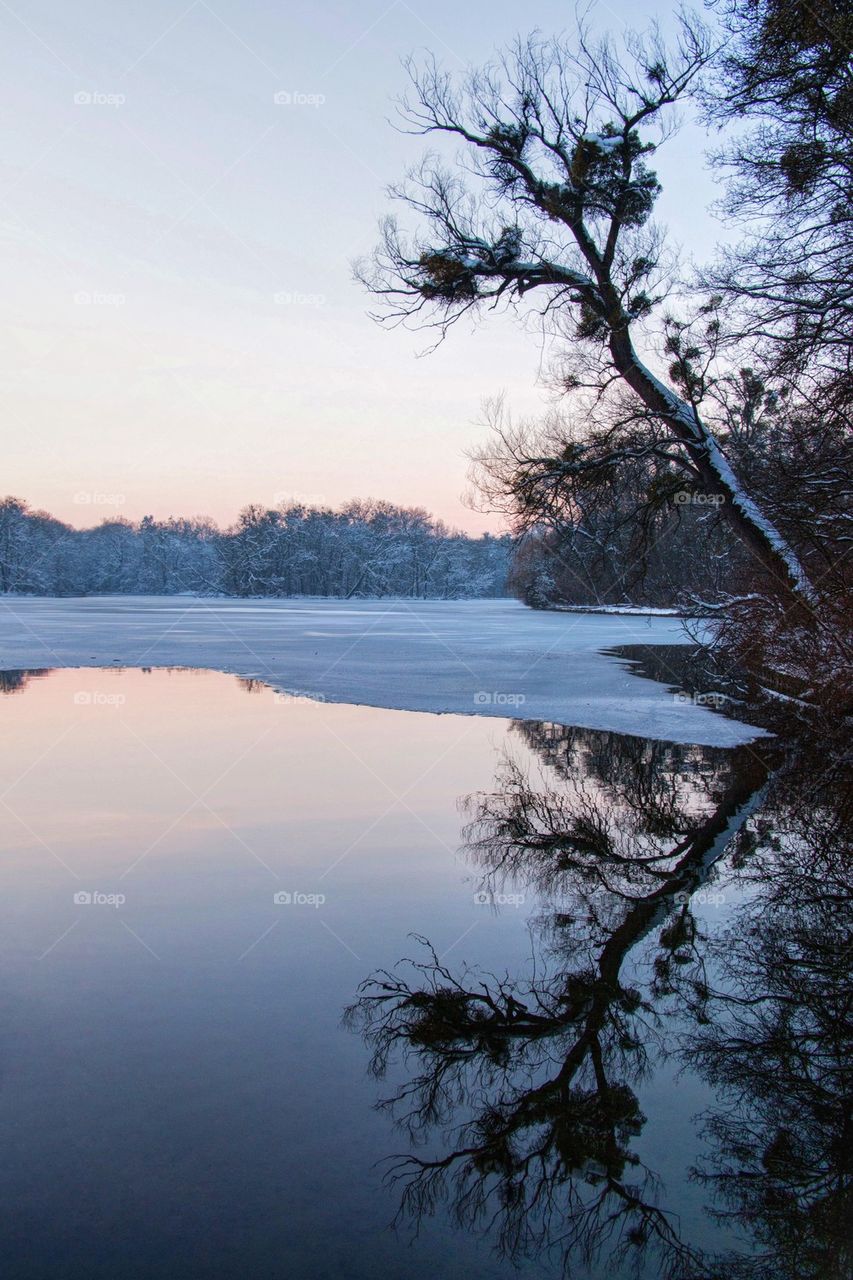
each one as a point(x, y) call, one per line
point(550, 212)
point(367, 548)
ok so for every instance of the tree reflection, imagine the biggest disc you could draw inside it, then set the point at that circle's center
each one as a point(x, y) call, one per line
point(16, 680)
point(533, 1077)
point(776, 1036)
point(523, 1088)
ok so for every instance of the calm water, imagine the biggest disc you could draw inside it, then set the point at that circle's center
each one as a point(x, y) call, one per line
point(618, 942)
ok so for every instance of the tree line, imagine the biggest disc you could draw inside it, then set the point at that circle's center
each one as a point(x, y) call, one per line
point(366, 548)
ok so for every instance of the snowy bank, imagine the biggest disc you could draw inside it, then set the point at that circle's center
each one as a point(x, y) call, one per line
point(469, 657)
point(631, 610)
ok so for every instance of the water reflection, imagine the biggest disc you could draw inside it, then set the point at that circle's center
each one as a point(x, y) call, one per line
point(691, 910)
point(16, 681)
point(525, 1086)
point(774, 1033)
point(178, 1097)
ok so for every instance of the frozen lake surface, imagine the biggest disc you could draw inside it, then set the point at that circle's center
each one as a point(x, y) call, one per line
point(481, 657)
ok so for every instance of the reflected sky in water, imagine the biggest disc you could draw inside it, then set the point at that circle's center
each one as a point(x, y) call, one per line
point(179, 1095)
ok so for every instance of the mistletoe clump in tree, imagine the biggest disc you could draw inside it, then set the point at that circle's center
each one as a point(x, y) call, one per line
point(550, 212)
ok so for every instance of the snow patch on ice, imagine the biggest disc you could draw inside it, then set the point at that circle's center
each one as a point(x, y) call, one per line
point(467, 657)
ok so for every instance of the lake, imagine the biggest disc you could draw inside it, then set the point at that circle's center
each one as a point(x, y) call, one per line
point(209, 893)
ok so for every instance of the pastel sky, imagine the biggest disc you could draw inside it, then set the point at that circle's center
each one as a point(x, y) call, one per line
point(181, 331)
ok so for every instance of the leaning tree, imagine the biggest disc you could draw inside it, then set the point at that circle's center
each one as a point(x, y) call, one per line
point(549, 211)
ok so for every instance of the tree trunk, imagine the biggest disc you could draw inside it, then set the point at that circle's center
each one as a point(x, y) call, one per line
point(753, 528)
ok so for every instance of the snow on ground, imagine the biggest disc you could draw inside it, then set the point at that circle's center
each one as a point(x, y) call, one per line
point(481, 657)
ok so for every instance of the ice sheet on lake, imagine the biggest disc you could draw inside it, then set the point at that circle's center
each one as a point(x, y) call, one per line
point(481, 657)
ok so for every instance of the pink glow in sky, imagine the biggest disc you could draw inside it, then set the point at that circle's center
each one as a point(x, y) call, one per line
point(182, 334)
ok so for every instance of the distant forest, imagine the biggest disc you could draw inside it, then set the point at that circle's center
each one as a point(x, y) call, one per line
point(365, 548)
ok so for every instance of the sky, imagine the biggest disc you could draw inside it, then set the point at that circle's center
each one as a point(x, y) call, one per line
point(181, 330)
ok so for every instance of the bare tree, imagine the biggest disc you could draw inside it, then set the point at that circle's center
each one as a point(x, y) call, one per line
point(551, 213)
point(788, 180)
